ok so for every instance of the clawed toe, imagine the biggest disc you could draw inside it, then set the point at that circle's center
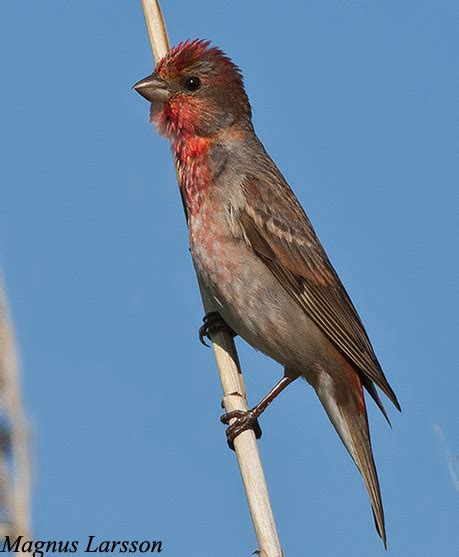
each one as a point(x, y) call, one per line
point(213, 323)
point(203, 333)
point(243, 421)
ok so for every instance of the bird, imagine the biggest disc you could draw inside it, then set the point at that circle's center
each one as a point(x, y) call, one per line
point(256, 253)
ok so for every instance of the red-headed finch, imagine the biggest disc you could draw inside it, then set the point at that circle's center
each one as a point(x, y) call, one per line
point(256, 252)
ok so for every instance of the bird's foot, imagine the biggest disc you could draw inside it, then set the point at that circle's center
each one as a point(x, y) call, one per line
point(213, 323)
point(244, 421)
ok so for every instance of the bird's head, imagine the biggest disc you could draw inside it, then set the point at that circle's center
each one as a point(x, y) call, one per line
point(195, 90)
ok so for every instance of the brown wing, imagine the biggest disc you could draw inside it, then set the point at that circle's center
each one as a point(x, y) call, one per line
point(278, 230)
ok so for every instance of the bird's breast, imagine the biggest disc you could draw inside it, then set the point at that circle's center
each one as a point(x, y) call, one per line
point(191, 156)
point(209, 240)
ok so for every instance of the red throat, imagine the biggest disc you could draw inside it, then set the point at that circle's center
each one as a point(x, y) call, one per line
point(175, 121)
point(191, 157)
point(177, 117)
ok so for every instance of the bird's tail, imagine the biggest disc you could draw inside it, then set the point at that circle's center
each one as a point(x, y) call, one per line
point(341, 395)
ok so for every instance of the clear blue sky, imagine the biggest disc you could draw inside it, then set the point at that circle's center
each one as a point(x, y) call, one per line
point(357, 103)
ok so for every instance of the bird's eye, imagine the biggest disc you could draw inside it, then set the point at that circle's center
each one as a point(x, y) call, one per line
point(192, 83)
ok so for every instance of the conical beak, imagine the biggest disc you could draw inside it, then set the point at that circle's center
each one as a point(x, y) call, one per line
point(152, 88)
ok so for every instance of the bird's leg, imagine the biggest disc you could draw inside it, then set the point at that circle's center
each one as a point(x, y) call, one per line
point(249, 419)
point(213, 323)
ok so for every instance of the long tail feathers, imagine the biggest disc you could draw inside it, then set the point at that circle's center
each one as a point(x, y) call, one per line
point(344, 403)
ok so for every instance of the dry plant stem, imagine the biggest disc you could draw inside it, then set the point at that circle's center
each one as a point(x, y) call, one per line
point(14, 466)
point(245, 444)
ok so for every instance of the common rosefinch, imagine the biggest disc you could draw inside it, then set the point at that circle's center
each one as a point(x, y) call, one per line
point(256, 252)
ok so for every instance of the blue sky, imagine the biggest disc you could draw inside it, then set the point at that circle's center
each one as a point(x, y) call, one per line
point(357, 104)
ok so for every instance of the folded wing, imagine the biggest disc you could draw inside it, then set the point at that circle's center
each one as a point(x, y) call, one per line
point(293, 253)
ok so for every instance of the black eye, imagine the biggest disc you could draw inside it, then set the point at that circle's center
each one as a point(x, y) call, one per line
point(192, 83)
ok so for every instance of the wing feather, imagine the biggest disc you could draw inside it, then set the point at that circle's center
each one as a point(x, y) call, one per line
point(293, 253)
